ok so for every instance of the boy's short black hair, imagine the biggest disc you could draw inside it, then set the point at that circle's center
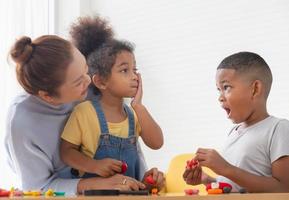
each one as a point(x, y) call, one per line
point(251, 65)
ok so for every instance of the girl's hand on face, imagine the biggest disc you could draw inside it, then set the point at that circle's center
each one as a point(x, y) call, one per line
point(212, 159)
point(137, 99)
point(158, 179)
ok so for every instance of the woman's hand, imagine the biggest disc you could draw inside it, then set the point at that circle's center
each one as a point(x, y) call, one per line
point(116, 182)
point(158, 177)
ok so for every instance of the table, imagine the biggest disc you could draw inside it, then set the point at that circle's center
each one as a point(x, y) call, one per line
point(169, 196)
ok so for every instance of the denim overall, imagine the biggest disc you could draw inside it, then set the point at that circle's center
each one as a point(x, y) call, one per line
point(110, 146)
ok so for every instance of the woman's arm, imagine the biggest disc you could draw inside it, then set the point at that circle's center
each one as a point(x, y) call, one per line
point(33, 168)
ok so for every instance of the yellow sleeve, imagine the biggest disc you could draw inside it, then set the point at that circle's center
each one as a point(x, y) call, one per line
point(137, 125)
point(73, 129)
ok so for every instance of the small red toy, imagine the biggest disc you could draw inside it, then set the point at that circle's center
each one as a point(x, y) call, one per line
point(192, 163)
point(149, 179)
point(123, 167)
point(191, 191)
point(4, 193)
point(225, 187)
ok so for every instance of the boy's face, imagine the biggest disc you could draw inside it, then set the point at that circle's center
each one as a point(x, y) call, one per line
point(235, 95)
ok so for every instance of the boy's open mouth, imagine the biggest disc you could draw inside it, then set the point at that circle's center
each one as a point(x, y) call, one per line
point(228, 111)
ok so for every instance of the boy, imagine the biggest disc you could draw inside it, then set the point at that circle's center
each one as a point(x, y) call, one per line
point(255, 157)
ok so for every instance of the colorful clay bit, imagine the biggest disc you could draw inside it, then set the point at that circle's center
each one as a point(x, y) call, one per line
point(192, 163)
point(149, 179)
point(242, 191)
point(215, 191)
point(227, 190)
point(49, 193)
point(225, 187)
point(123, 167)
point(15, 192)
point(4, 193)
point(154, 191)
point(59, 193)
point(191, 191)
point(32, 193)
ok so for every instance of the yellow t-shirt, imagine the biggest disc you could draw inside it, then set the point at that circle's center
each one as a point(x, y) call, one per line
point(83, 129)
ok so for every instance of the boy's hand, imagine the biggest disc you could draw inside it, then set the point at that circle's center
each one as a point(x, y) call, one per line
point(108, 167)
point(158, 179)
point(137, 99)
point(212, 159)
point(194, 175)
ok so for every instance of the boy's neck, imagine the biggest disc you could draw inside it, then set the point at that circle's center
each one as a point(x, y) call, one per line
point(255, 117)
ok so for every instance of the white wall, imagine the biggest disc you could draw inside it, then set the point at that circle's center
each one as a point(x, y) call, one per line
point(17, 18)
point(66, 12)
point(178, 47)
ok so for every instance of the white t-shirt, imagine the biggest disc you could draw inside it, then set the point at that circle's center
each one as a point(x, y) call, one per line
point(256, 147)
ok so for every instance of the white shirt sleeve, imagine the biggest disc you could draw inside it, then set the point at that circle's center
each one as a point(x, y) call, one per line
point(280, 141)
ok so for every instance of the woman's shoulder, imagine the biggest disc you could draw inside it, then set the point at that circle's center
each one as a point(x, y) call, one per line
point(18, 116)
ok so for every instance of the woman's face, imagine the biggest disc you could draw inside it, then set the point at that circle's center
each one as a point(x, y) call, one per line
point(76, 81)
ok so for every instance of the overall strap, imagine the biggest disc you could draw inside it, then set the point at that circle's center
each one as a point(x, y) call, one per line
point(130, 115)
point(101, 117)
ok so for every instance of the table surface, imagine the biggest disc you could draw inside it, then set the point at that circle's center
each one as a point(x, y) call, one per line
point(172, 196)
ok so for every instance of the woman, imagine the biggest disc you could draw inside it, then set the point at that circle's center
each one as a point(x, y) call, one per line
point(54, 75)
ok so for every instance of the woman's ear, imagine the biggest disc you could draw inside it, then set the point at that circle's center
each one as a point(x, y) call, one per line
point(98, 82)
point(45, 96)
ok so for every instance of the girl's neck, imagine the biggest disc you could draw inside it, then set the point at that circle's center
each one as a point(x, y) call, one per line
point(113, 108)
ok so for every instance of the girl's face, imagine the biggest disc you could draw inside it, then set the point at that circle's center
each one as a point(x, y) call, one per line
point(123, 81)
point(76, 81)
point(235, 95)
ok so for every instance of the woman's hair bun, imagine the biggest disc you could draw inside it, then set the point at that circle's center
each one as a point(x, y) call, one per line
point(89, 33)
point(22, 50)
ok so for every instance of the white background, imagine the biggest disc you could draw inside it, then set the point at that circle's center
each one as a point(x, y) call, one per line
point(178, 47)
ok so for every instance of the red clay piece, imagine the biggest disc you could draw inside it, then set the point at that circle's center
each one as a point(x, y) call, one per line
point(149, 179)
point(4, 193)
point(123, 167)
point(191, 191)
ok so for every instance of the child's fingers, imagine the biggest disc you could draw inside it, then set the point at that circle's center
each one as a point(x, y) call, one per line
point(198, 176)
point(202, 151)
point(195, 176)
point(189, 178)
point(139, 78)
point(186, 173)
point(116, 168)
point(160, 180)
point(201, 157)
